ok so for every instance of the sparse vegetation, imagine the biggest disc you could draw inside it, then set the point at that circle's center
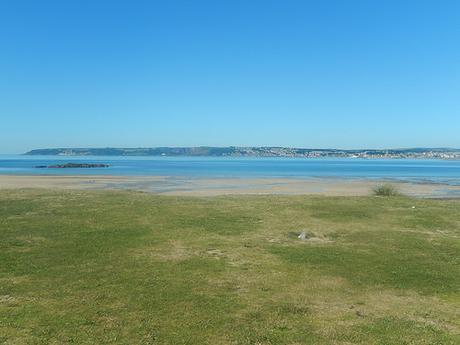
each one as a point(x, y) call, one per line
point(386, 190)
point(134, 268)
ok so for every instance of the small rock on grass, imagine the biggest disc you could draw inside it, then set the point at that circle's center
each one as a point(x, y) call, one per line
point(303, 235)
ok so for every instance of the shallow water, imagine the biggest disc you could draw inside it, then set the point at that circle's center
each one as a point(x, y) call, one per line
point(432, 171)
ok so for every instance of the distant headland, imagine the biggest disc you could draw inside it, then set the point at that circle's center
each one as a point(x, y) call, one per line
point(235, 151)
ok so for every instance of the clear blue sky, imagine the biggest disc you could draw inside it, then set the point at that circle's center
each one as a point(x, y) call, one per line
point(346, 74)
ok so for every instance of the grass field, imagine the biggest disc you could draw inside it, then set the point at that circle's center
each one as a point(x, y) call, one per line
point(79, 267)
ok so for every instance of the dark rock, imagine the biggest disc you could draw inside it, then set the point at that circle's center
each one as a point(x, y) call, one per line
point(74, 165)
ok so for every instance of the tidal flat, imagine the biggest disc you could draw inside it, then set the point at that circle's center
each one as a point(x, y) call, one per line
point(194, 186)
point(127, 267)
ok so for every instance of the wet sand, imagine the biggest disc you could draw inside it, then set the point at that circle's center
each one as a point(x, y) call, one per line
point(222, 186)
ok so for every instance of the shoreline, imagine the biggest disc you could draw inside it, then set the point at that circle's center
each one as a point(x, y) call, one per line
point(212, 186)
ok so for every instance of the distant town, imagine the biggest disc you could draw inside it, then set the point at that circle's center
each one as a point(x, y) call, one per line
point(234, 151)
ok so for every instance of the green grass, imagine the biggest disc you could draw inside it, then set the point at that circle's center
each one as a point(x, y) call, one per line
point(79, 267)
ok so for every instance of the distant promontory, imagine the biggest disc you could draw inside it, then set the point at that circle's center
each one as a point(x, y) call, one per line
point(266, 151)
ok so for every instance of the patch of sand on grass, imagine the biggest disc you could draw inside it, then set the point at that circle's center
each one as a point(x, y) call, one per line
point(291, 238)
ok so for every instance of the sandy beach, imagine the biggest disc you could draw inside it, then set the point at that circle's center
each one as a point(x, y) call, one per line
point(223, 186)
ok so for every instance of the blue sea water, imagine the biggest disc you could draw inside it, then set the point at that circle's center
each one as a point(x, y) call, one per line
point(438, 171)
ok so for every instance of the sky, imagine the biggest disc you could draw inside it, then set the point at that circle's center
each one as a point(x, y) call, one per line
point(314, 74)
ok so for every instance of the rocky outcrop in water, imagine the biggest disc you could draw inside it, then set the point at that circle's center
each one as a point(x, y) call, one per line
point(74, 165)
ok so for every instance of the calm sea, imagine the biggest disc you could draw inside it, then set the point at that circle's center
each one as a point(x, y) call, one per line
point(438, 171)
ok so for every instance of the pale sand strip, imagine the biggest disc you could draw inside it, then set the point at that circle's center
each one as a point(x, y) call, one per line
point(216, 186)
